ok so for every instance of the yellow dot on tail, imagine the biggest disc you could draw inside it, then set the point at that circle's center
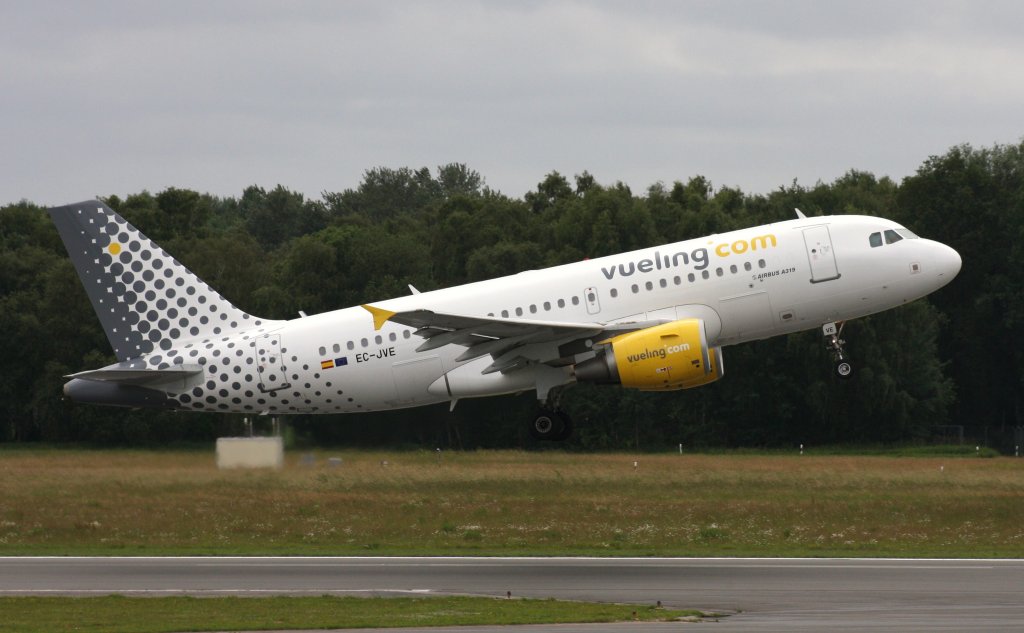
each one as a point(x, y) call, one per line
point(114, 248)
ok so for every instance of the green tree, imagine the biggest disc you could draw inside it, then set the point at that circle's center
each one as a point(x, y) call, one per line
point(973, 200)
point(456, 179)
point(276, 216)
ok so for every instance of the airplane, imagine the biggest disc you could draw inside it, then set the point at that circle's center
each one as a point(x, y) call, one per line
point(654, 319)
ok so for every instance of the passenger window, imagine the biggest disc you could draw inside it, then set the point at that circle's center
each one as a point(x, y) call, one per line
point(691, 278)
point(504, 314)
point(705, 274)
point(575, 300)
point(561, 303)
point(350, 345)
point(719, 272)
point(547, 306)
point(747, 266)
point(677, 280)
point(891, 237)
point(519, 312)
point(664, 283)
point(761, 263)
point(875, 239)
point(323, 351)
point(364, 342)
point(635, 288)
point(649, 286)
point(378, 340)
point(733, 269)
point(613, 292)
point(337, 348)
point(533, 308)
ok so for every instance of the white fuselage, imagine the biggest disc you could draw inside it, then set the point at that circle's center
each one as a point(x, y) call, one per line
point(746, 285)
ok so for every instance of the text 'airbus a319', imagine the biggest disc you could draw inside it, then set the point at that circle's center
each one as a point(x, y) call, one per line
point(655, 319)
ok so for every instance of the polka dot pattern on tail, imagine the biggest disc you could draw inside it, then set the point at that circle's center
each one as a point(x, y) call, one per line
point(145, 299)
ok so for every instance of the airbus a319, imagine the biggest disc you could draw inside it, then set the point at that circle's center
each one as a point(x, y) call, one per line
point(655, 319)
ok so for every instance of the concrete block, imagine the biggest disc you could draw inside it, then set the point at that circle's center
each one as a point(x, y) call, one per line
point(250, 452)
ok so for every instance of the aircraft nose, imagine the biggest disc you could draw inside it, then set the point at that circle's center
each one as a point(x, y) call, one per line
point(948, 262)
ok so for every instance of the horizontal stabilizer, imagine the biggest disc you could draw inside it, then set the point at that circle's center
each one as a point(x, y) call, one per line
point(182, 374)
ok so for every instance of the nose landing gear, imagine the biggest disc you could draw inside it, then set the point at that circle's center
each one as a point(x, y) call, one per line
point(841, 364)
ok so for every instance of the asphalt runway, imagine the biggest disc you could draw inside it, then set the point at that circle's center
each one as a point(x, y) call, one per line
point(759, 594)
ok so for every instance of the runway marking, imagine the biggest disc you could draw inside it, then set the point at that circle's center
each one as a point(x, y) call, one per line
point(1017, 561)
point(631, 566)
point(225, 590)
point(484, 559)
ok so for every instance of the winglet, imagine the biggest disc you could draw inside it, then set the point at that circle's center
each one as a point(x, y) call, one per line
point(380, 316)
point(800, 214)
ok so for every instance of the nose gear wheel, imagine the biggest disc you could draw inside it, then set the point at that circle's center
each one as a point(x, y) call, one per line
point(842, 366)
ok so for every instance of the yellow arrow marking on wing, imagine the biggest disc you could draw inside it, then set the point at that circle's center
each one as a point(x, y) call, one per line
point(380, 316)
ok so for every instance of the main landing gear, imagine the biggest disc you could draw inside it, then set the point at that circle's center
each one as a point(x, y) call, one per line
point(550, 426)
point(842, 367)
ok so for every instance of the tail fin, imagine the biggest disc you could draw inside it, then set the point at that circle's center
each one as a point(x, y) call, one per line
point(144, 298)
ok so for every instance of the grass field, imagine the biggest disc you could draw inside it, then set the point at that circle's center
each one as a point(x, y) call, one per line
point(119, 614)
point(512, 503)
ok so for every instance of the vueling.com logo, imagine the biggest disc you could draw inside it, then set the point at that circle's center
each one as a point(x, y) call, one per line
point(698, 257)
point(662, 353)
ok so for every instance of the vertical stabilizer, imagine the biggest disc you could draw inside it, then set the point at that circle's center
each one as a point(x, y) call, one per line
point(145, 299)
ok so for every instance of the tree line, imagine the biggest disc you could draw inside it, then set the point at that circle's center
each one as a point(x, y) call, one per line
point(954, 358)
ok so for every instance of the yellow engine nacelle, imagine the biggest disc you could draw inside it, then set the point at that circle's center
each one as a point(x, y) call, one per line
point(666, 357)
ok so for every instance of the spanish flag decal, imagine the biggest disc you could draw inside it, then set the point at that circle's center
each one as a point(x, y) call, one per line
point(335, 362)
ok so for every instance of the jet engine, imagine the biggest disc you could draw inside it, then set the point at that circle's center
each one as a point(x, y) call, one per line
point(665, 357)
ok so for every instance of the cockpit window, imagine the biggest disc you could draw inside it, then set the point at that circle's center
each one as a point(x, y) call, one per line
point(875, 239)
point(891, 237)
point(907, 234)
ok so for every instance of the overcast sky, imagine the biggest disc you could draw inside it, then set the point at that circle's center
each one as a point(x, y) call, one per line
point(100, 98)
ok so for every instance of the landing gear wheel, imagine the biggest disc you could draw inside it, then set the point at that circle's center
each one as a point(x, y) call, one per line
point(566, 431)
point(550, 426)
point(543, 426)
point(844, 370)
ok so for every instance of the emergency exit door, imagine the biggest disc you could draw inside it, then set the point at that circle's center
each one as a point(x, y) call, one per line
point(820, 254)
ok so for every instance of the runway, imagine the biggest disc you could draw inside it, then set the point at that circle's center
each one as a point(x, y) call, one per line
point(759, 594)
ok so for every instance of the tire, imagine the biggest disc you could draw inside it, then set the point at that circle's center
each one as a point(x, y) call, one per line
point(844, 370)
point(566, 431)
point(546, 426)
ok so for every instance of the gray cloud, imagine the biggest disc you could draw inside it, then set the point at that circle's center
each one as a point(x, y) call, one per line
point(102, 98)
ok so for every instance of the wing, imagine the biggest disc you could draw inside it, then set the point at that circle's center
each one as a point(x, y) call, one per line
point(513, 343)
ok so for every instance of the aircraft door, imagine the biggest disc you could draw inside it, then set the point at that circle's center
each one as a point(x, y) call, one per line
point(820, 254)
point(591, 299)
point(270, 363)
